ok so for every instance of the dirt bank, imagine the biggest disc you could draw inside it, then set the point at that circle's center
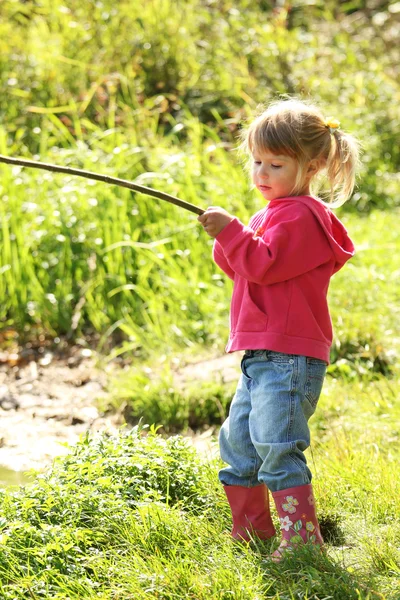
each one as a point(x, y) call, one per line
point(48, 403)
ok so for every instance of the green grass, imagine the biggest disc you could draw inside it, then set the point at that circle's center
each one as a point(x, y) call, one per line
point(365, 295)
point(106, 88)
point(86, 259)
point(161, 397)
point(142, 516)
point(102, 257)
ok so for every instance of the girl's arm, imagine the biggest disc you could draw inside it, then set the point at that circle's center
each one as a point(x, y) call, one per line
point(221, 261)
point(292, 244)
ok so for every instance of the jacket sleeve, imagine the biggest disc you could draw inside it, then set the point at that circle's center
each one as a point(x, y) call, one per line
point(293, 244)
point(221, 261)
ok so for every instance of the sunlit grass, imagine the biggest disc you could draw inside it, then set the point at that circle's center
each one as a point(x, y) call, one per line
point(103, 87)
point(78, 257)
point(139, 516)
point(163, 105)
point(102, 257)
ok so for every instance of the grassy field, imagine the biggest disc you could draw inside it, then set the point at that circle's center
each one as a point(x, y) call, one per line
point(155, 92)
point(144, 517)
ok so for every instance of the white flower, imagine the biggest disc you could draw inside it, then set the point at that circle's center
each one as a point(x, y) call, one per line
point(286, 523)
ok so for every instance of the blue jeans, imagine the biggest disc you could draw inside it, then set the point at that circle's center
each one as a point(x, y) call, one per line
point(264, 438)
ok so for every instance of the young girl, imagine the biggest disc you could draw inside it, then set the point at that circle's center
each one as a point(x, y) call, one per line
point(281, 265)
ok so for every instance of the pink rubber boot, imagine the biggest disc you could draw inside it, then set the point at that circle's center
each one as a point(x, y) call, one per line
point(250, 512)
point(299, 523)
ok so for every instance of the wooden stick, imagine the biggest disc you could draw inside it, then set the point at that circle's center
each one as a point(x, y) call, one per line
point(105, 179)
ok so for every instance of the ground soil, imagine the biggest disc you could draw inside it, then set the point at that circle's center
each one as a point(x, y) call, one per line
point(47, 403)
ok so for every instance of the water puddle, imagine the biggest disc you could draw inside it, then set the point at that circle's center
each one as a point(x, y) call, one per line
point(13, 479)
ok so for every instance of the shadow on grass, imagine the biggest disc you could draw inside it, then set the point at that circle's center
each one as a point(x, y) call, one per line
point(308, 574)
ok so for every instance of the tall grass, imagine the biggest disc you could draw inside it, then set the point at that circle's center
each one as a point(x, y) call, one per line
point(86, 254)
point(156, 92)
point(78, 257)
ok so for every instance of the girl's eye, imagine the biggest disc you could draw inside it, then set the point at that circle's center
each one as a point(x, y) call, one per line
point(259, 162)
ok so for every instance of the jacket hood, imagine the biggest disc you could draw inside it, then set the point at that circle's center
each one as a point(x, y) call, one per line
point(339, 240)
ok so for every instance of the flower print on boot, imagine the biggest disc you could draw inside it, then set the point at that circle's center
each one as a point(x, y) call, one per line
point(299, 523)
point(290, 504)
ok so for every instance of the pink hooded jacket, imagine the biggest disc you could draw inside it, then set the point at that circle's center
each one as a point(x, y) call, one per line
point(281, 265)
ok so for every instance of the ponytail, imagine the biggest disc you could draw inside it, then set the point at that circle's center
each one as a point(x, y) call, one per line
point(341, 166)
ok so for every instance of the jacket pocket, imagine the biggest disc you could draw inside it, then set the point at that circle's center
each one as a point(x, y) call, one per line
point(249, 317)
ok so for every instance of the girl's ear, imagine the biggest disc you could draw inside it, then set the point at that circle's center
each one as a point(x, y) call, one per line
point(313, 167)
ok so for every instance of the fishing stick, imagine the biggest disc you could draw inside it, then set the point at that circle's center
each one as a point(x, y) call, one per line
point(105, 179)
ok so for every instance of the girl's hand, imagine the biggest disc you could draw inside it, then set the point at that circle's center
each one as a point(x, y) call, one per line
point(214, 220)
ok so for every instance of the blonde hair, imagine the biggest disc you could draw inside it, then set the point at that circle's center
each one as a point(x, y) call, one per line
point(299, 130)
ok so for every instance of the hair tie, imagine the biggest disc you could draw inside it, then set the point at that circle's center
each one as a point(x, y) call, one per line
point(332, 124)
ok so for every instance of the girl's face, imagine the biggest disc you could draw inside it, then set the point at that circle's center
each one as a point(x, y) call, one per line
point(274, 175)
